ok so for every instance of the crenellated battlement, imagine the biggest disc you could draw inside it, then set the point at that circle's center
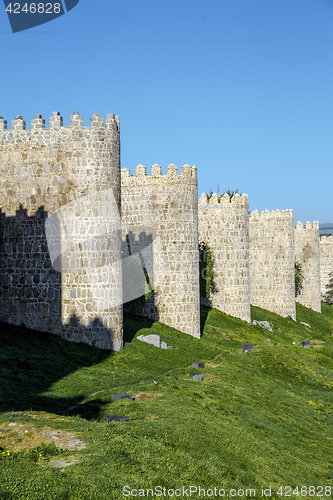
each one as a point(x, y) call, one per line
point(274, 214)
point(62, 172)
point(56, 124)
point(327, 239)
point(224, 226)
point(237, 200)
point(306, 240)
point(308, 226)
point(187, 173)
point(272, 261)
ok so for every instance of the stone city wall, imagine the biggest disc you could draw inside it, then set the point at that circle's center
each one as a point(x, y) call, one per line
point(48, 184)
point(326, 262)
point(308, 254)
point(224, 226)
point(272, 275)
point(160, 230)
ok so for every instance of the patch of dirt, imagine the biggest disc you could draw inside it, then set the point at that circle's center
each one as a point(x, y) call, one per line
point(15, 437)
point(212, 365)
point(208, 376)
point(150, 418)
point(59, 464)
point(146, 395)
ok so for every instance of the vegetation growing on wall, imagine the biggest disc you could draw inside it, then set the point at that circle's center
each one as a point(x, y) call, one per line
point(299, 278)
point(228, 191)
point(206, 269)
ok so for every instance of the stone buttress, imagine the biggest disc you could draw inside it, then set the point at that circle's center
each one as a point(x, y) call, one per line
point(308, 254)
point(326, 262)
point(160, 231)
point(224, 226)
point(272, 274)
point(60, 247)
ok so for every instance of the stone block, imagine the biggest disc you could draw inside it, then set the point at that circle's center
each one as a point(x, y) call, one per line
point(116, 418)
point(198, 365)
point(122, 395)
point(247, 347)
point(195, 376)
point(263, 324)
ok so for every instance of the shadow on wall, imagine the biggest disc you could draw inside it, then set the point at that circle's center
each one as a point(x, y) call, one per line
point(30, 288)
point(139, 275)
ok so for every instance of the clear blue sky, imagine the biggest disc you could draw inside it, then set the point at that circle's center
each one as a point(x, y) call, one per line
point(240, 88)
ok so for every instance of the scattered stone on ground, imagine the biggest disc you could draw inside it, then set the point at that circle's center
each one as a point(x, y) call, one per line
point(306, 324)
point(121, 395)
point(116, 418)
point(247, 347)
point(306, 343)
point(263, 324)
point(283, 346)
point(154, 340)
point(198, 365)
point(195, 376)
point(268, 340)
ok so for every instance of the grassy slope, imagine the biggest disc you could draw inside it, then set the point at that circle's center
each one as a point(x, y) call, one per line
point(259, 419)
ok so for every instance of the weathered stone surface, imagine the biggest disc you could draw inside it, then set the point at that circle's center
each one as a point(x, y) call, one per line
point(61, 172)
point(247, 347)
point(196, 376)
point(306, 343)
point(307, 252)
point(160, 228)
point(224, 225)
point(263, 324)
point(272, 275)
point(122, 395)
point(326, 262)
point(198, 365)
point(116, 418)
point(150, 339)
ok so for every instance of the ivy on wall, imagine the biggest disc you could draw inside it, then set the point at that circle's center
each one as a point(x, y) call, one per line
point(299, 278)
point(206, 269)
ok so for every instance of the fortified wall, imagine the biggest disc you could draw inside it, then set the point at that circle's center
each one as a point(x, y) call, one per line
point(272, 275)
point(160, 227)
point(308, 254)
point(60, 213)
point(224, 225)
point(326, 262)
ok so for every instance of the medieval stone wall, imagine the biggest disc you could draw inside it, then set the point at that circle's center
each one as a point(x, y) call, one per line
point(224, 226)
point(326, 262)
point(272, 276)
point(308, 254)
point(160, 231)
point(60, 228)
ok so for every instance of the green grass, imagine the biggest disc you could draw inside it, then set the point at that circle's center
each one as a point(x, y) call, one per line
point(258, 419)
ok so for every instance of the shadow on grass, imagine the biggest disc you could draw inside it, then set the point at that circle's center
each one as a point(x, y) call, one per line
point(31, 362)
point(132, 324)
point(204, 311)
